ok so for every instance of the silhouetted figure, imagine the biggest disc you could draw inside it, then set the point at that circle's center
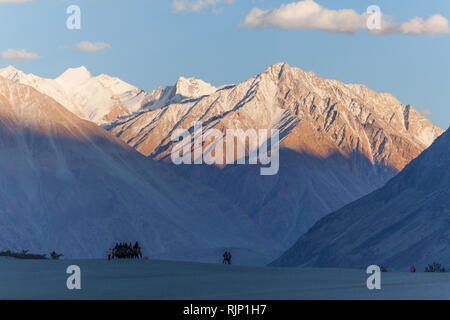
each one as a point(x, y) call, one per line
point(225, 257)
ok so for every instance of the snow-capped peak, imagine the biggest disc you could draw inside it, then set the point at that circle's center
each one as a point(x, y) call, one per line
point(279, 66)
point(193, 88)
point(74, 76)
point(9, 68)
point(98, 99)
point(12, 73)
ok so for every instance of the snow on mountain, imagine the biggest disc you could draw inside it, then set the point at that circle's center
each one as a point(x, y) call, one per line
point(404, 223)
point(98, 99)
point(340, 142)
point(184, 89)
point(193, 88)
point(352, 117)
point(68, 185)
point(103, 98)
point(74, 77)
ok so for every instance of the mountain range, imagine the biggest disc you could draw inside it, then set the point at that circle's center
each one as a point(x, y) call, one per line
point(97, 155)
point(102, 99)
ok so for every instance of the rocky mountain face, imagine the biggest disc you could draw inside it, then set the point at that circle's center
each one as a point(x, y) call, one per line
point(68, 185)
point(405, 223)
point(339, 142)
point(305, 108)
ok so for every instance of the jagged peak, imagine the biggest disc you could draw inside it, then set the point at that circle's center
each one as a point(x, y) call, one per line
point(10, 68)
point(279, 65)
point(191, 80)
point(277, 68)
point(193, 87)
point(16, 75)
point(80, 73)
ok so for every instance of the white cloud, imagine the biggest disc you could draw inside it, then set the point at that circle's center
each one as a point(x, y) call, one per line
point(91, 46)
point(434, 24)
point(19, 55)
point(309, 15)
point(198, 5)
point(305, 15)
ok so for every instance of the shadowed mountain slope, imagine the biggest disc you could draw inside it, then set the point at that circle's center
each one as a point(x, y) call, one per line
point(406, 222)
point(70, 186)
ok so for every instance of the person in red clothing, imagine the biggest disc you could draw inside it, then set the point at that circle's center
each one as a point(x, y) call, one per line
point(413, 269)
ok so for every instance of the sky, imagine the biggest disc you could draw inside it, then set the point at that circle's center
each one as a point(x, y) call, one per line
point(152, 43)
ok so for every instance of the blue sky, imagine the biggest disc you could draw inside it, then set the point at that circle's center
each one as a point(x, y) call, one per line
point(152, 44)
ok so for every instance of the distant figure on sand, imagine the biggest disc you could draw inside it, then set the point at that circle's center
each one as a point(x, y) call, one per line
point(137, 251)
point(226, 258)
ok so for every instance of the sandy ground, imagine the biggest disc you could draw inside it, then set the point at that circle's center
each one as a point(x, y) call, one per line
point(22, 279)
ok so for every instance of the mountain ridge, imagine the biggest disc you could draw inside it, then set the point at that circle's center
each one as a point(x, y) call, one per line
point(327, 114)
point(101, 99)
point(339, 142)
